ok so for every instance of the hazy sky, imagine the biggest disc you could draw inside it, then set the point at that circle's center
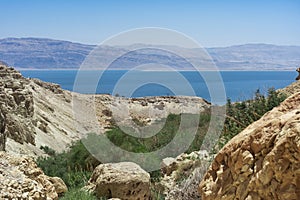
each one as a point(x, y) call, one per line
point(210, 22)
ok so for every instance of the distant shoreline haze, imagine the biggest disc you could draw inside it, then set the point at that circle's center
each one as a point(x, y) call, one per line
point(149, 70)
point(41, 53)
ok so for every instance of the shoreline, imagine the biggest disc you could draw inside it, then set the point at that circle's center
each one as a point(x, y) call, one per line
point(204, 70)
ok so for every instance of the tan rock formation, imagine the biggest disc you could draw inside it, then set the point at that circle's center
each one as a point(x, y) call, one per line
point(36, 114)
point(41, 114)
point(124, 180)
point(60, 186)
point(262, 162)
point(291, 89)
point(129, 111)
point(17, 106)
point(181, 175)
point(20, 178)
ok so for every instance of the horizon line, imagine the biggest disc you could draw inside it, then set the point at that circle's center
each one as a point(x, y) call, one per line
point(207, 47)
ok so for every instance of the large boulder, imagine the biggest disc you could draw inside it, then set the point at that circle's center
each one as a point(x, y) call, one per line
point(125, 180)
point(262, 162)
point(60, 186)
point(20, 178)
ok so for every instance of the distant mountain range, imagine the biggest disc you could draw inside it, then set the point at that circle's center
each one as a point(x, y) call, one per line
point(39, 53)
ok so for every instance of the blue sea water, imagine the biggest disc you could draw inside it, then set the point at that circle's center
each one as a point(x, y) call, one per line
point(239, 85)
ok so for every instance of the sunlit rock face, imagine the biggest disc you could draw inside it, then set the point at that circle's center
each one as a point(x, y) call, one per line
point(16, 105)
point(125, 180)
point(262, 162)
point(20, 178)
point(34, 113)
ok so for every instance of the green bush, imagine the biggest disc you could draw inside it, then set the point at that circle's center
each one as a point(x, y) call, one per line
point(241, 114)
point(74, 166)
point(238, 116)
point(78, 195)
point(165, 135)
point(48, 150)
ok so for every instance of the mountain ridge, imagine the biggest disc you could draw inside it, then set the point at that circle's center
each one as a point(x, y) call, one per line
point(45, 53)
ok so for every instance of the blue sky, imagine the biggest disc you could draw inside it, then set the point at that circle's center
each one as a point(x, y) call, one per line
point(210, 22)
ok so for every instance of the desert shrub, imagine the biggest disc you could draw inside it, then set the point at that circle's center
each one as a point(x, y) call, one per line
point(76, 165)
point(165, 135)
point(155, 195)
point(241, 114)
point(73, 166)
point(48, 150)
point(78, 194)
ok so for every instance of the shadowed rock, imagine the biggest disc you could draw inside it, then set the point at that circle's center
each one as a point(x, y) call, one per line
point(298, 77)
point(2, 131)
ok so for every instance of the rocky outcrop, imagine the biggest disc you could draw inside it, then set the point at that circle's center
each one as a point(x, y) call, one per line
point(144, 111)
point(42, 114)
point(35, 113)
point(298, 77)
point(59, 185)
point(2, 131)
point(181, 175)
point(17, 106)
point(124, 180)
point(262, 162)
point(291, 89)
point(3, 63)
point(20, 178)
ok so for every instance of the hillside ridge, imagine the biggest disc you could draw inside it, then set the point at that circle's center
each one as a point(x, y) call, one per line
point(35, 114)
point(43, 53)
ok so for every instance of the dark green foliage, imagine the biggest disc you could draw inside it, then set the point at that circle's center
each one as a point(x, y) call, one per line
point(74, 166)
point(155, 175)
point(48, 150)
point(241, 114)
point(165, 135)
point(78, 195)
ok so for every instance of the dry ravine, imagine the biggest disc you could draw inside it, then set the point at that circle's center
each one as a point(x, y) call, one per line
point(261, 162)
point(36, 114)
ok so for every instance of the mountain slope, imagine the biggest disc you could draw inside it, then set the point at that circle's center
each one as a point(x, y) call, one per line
point(257, 56)
point(42, 53)
point(34, 113)
point(53, 54)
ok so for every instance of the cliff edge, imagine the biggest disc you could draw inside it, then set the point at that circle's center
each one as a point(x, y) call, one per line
point(261, 162)
point(34, 114)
